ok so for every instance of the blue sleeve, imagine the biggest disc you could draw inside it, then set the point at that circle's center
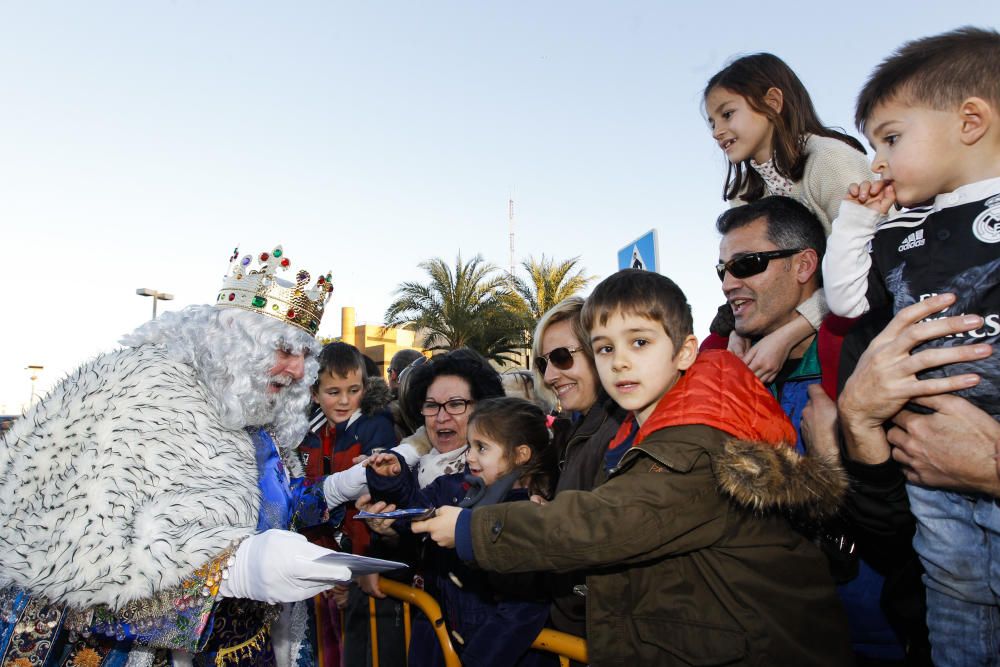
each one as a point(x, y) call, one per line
point(398, 490)
point(463, 537)
point(380, 434)
point(308, 502)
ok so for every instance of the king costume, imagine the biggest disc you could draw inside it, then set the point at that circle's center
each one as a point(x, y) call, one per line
point(133, 492)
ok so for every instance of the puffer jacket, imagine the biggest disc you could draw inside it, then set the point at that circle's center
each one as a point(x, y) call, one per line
point(691, 558)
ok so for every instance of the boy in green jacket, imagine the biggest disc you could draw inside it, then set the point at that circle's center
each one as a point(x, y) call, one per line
point(690, 557)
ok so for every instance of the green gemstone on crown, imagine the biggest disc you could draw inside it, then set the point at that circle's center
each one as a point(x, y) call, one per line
point(277, 252)
point(258, 302)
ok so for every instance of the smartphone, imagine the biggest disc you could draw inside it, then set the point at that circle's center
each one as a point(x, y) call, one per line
point(415, 513)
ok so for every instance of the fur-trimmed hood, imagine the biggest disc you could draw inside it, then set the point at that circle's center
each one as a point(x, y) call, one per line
point(779, 479)
point(121, 482)
point(377, 396)
point(758, 467)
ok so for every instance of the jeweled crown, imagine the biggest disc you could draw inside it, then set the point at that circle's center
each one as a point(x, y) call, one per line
point(254, 286)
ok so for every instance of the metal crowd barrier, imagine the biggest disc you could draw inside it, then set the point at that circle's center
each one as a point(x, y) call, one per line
point(567, 647)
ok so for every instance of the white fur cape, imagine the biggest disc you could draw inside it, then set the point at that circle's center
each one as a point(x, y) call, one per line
point(121, 482)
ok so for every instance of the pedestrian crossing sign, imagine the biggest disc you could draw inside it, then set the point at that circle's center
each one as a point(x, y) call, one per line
point(640, 254)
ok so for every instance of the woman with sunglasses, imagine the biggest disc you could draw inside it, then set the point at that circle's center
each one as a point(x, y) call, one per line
point(587, 421)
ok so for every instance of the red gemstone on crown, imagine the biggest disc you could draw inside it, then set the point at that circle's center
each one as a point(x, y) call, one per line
point(232, 296)
point(285, 262)
point(264, 256)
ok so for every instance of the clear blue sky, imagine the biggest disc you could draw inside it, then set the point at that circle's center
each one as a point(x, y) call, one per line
point(139, 142)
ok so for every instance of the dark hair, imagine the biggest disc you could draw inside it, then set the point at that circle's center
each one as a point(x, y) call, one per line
point(939, 72)
point(751, 77)
point(340, 358)
point(643, 293)
point(411, 421)
point(371, 368)
point(512, 421)
point(790, 224)
point(484, 382)
point(403, 358)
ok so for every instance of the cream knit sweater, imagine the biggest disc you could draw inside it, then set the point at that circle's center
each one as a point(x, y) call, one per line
point(831, 166)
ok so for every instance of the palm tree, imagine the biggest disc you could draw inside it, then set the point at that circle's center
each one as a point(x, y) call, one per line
point(468, 306)
point(548, 283)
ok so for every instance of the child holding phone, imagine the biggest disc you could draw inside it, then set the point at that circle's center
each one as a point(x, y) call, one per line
point(493, 619)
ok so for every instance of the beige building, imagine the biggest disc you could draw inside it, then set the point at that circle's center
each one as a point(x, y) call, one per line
point(375, 340)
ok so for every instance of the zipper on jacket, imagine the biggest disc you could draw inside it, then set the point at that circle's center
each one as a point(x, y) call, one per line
point(625, 457)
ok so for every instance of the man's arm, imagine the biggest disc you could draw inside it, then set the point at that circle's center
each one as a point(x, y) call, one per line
point(954, 447)
point(885, 378)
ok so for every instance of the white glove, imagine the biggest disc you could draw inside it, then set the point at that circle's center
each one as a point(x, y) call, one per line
point(351, 484)
point(280, 566)
point(346, 485)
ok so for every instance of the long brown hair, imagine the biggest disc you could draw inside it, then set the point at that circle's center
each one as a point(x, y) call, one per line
point(751, 77)
point(515, 421)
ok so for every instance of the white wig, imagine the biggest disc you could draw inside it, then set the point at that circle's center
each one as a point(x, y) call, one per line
point(232, 351)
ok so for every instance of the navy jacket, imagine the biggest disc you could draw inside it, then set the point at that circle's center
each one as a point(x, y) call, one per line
point(493, 618)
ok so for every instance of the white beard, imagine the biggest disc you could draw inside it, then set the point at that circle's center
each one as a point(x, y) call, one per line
point(232, 350)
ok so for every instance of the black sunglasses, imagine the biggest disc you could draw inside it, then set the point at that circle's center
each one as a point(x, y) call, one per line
point(752, 263)
point(561, 358)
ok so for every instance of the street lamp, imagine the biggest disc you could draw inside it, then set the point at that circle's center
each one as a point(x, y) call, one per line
point(157, 296)
point(36, 370)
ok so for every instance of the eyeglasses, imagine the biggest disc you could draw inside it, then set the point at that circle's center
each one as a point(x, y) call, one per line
point(752, 263)
point(455, 406)
point(561, 358)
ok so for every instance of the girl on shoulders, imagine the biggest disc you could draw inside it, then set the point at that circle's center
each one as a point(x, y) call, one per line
point(763, 119)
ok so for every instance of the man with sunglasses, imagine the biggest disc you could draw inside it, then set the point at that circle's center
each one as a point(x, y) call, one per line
point(769, 263)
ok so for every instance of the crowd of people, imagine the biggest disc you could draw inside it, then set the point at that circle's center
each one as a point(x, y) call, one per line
point(815, 482)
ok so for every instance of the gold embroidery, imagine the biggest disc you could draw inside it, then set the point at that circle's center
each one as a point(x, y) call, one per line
point(87, 657)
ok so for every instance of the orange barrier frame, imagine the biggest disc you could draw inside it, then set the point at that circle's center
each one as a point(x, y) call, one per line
point(567, 647)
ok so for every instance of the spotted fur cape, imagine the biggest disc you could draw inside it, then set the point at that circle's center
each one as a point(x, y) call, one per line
point(121, 482)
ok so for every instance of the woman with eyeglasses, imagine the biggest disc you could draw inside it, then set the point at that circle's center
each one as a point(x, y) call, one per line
point(587, 421)
point(440, 395)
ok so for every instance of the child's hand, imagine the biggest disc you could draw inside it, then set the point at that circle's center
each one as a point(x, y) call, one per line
point(339, 594)
point(771, 352)
point(384, 464)
point(876, 195)
point(767, 357)
point(819, 424)
point(369, 584)
point(380, 526)
point(441, 526)
point(737, 344)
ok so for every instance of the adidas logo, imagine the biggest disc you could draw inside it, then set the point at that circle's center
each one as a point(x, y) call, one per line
point(914, 240)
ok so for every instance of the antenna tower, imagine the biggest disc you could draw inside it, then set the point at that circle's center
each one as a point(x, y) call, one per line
point(510, 227)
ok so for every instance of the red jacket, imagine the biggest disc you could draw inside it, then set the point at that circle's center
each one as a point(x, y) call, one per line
point(744, 409)
point(830, 338)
